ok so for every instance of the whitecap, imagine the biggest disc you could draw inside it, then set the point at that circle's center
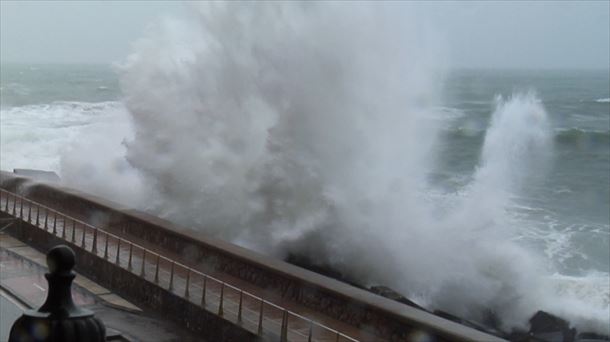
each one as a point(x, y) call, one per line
point(33, 136)
point(446, 113)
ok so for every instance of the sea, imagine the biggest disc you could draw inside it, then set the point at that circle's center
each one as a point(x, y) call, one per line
point(563, 215)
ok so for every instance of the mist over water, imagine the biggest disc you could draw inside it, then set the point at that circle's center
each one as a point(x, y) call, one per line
point(313, 129)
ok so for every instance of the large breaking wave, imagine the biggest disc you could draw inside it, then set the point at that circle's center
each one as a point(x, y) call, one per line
point(311, 129)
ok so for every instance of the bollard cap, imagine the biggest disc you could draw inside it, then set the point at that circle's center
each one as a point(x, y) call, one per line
point(61, 260)
point(58, 319)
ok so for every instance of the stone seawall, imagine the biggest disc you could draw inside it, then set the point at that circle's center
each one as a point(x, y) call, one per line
point(383, 317)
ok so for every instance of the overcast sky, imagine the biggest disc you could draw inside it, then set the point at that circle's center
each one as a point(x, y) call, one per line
point(479, 34)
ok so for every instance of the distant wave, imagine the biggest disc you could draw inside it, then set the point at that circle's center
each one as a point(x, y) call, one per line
point(606, 100)
point(15, 88)
point(49, 131)
point(57, 113)
point(81, 107)
point(579, 136)
point(570, 136)
point(447, 113)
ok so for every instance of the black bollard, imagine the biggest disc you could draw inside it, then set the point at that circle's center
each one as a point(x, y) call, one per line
point(58, 319)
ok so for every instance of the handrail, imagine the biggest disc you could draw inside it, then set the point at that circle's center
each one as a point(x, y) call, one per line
point(144, 251)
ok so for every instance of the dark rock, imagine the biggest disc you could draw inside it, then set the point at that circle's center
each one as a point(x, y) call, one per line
point(518, 336)
point(545, 322)
point(554, 336)
point(547, 327)
point(591, 337)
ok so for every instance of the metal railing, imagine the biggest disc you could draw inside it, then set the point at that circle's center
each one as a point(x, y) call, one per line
point(251, 311)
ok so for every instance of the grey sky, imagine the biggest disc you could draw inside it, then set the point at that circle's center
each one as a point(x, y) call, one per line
point(479, 34)
point(75, 31)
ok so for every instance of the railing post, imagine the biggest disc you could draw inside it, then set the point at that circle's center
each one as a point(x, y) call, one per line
point(63, 230)
point(73, 231)
point(142, 272)
point(94, 248)
point(222, 292)
point(37, 215)
point(241, 296)
point(205, 280)
point(260, 317)
point(310, 331)
point(188, 281)
point(130, 252)
point(106, 247)
point(54, 222)
point(30, 213)
point(284, 331)
point(6, 204)
point(15, 205)
point(157, 270)
point(171, 277)
point(338, 335)
point(118, 251)
point(21, 209)
point(46, 218)
point(84, 233)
